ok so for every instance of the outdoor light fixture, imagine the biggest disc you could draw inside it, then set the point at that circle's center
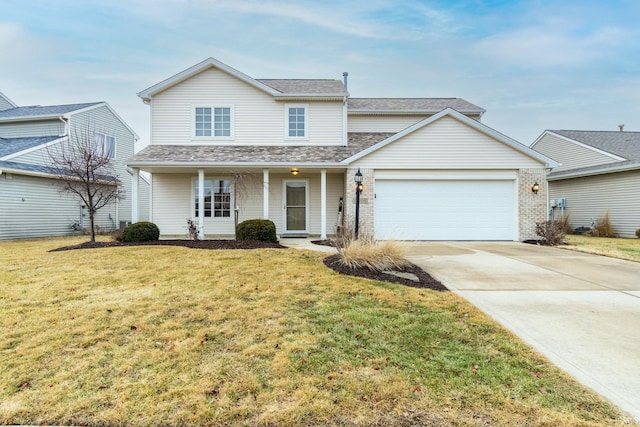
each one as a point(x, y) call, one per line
point(535, 187)
point(358, 180)
point(295, 171)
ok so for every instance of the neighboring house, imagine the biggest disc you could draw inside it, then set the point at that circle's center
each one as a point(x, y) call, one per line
point(599, 173)
point(431, 170)
point(31, 204)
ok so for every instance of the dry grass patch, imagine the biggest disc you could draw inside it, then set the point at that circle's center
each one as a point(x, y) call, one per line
point(628, 249)
point(157, 335)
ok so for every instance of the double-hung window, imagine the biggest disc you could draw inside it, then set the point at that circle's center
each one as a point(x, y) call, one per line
point(213, 122)
point(104, 145)
point(297, 121)
point(217, 198)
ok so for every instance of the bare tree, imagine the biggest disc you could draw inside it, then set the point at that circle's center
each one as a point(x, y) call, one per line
point(83, 164)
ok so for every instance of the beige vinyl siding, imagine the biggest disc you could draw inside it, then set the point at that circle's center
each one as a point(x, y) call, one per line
point(447, 144)
point(569, 154)
point(382, 123)
point(588, 198)
point(257, 117)
point(32, 129)
point(171, 203)
point(33, 207)
point(144, 200)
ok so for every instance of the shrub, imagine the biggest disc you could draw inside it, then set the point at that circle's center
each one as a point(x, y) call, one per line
point(117, 235)
point(602, 227)
point(552, 231)
point(369, 253)
point(263, 230)
point(141, 232)
point(638, 233)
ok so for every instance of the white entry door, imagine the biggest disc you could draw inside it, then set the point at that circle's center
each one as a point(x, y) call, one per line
point(296, 202)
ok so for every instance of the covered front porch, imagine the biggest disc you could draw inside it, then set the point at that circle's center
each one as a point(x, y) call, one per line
point(301, 200)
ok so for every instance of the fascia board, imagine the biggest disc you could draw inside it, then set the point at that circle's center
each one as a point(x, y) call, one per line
point(466, 120)
point(312, 97)
point(602, 171)
point(30, 118)
point(375, 112)
point(6, 170)
point(581, 144)
point(148, 93)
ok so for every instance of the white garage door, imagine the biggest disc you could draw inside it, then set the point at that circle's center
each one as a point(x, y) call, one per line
point(445, 210)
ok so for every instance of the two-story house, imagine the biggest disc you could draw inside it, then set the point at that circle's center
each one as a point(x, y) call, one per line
point(226, 144)
point(31, 204)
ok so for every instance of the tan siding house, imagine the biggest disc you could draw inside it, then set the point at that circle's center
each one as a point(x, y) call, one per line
point(600, 174)
point(226, 147)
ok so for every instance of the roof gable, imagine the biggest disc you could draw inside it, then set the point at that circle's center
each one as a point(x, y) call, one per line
point(275, 87)
point(6, 103)
point(474, 124)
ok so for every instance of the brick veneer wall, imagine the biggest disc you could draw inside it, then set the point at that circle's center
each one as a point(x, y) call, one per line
point(366, 201)
point(532, 207)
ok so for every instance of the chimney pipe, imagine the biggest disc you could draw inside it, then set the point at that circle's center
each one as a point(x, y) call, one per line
point(621, 128)
point(345, 76)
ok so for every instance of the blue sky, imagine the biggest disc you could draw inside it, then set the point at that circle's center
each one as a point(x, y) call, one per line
point(533, 65)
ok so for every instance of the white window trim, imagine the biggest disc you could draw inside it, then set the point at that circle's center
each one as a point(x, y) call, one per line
point(306, 122)
point(213, 179)
point(105, 136)
point(212, 137)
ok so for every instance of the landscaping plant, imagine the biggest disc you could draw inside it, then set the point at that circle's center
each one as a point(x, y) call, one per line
point(141, 232)
point(263, 230)
point(552, 231)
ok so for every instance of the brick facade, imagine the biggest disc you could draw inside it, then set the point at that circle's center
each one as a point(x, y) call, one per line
point(366, 201)
point(532, 207)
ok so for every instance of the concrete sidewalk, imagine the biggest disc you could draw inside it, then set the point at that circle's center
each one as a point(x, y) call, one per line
point(581, 311)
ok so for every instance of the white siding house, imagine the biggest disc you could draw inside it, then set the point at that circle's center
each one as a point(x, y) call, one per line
point(30, 200)
point(599, 173)
point(291, 149)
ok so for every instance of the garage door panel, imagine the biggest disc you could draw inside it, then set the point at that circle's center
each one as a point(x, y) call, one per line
point(445, 210)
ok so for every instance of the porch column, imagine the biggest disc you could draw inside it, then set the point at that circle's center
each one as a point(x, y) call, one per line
point(323, 204)
point(201, 204)
point(265, 194)
point(134, 195)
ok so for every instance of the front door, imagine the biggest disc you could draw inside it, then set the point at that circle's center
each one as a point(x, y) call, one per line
point(296, 197)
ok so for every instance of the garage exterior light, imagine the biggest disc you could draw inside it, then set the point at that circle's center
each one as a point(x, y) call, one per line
point(535, 187)
point(359, 187)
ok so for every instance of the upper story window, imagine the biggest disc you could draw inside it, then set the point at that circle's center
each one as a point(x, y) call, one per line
point(213, 122)
point(104, 145)
point(297, 121)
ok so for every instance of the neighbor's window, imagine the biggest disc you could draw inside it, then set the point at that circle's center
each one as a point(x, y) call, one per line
point(104, 145)
point(217, 198)
point(213, 121)
point(296, 121)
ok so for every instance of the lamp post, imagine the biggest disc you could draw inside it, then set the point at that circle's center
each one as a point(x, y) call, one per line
point(358, 180)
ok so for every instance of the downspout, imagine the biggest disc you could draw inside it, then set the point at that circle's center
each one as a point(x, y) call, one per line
point(65, 122)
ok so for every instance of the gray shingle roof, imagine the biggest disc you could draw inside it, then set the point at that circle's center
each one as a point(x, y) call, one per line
point(431, 105)
point(10, 146)
point(265, 154)
point(306, 86)
point(623, 144)
point(24, 167)
point(36, 111)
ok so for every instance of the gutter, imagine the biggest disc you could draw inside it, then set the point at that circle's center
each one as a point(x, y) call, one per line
point(579, 174)
point(169, 163)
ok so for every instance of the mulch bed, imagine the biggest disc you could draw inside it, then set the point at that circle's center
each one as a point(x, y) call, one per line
point(333, 261)
point(424, 279)
point(195, 244)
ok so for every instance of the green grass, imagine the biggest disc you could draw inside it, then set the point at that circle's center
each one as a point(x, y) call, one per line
point(628, 249)
point(146, 336)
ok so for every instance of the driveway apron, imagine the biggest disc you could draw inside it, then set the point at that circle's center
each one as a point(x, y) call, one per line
point(581, 311)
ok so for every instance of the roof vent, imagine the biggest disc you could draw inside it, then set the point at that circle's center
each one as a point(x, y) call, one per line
point(621, 128)
point(345, 77)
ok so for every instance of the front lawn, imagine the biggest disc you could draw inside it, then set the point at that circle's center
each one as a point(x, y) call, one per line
point(628, 249)
point(161, 335)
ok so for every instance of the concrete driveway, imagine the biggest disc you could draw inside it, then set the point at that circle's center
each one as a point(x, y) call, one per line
point(581, 311)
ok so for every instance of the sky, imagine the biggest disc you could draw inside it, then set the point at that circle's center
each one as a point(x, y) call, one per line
point(533, 65)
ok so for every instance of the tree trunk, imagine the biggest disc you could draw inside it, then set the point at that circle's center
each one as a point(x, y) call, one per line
point(92, 232)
